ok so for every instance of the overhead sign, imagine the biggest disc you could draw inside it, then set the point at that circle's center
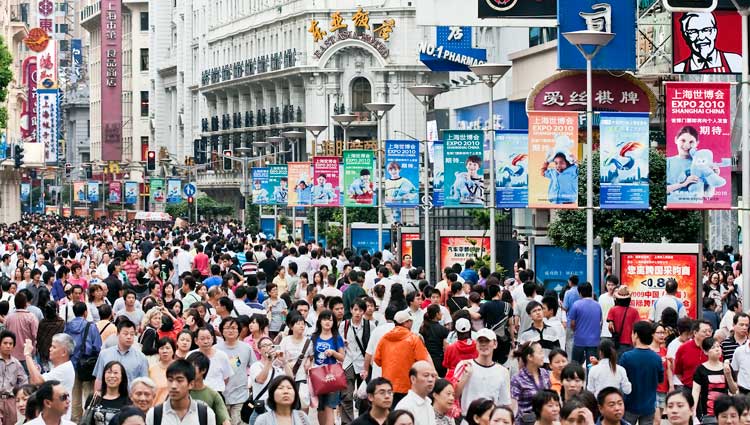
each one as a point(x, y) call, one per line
point(452, 50)
point(618, 17)
point(47, 122)
point(517, 8)
point(707, 43)
point(189, 189)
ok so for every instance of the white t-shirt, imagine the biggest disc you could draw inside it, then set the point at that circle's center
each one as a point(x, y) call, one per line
point(671, 353)
point(292, 351)
point(491, 382)
point(219, 370)
point(331, 291)
point(607, 302)
point(255, 370)
point(66, 374)
point(420, 407)
point(372, 345)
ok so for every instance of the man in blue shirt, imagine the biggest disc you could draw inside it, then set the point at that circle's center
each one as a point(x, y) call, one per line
point(645, 371)
point(133, 360)
point(215, 279)
point(469, 274)
point(585, 318)
point(76, 328)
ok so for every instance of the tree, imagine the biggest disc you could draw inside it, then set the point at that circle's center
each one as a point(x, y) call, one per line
point(568, 229)
point(6, 75)
point(207, 208)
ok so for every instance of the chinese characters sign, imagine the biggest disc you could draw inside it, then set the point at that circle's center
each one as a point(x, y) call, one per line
point(463, 156)
point(458, 249)
point(28, 116)
point(452, 51)
point(358, 178)
point(300, 184)
point(111, 80)
point(338, 30)
point(326, 187)
point(511, 169)
point(278, 183)
point(553, 143)
point(699, 157)
point(438, 174)
point(623, 178)
point(401, 173)
point(77, 56)
point(47, 121)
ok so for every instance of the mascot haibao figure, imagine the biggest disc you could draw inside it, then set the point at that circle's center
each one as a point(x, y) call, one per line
point(704, 168)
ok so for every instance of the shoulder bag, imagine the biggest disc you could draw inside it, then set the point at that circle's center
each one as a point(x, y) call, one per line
point(86, 364)
point(617, 334)
point(253, 404)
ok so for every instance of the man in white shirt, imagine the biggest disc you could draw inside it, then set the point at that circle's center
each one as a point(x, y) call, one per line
point(482, 377)
point(62, 370)
point(54, 400)
point(669, 299)
point(183, 261)
point(685, 332)
point(405, 267)
point(375, 337)
point(356, 333)
point(417, 401)
point(607, 301)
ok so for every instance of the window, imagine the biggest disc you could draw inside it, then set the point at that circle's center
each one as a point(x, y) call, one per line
point(61, 28)
point(144, 59)
point(144, 103)
point(361, 94)
point(144, 21)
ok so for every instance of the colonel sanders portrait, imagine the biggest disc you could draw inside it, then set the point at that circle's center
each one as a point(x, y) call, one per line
point(699, 30)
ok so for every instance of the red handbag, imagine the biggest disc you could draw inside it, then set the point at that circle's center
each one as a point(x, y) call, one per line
point(327, 379)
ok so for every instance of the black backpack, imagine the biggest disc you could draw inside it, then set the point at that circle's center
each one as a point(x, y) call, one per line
point(202, 414)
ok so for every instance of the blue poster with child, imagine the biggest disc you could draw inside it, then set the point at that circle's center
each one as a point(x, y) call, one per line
point(401, 173)
point(463, 155)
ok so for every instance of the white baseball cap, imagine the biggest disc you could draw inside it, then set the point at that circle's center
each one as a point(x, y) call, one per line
point(402, 317)
point(486, 333)
point(463, 325)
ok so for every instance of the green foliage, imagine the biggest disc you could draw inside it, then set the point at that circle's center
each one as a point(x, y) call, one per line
point(6, 75)
point(482, 217)
point(207, 208)
point(568, 229)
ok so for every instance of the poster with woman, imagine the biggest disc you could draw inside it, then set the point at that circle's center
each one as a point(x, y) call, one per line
point(699, 155)
point(326, 187)
point(300, 184)
point(401, 173)
point(79, 189)
point(358, 178)
point(553, 143)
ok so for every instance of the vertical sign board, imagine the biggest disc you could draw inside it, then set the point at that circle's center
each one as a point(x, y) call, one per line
point(174, 191)
point(511, 169)
point(93, 192)
point(111, 79)
point(47, 122)
point(158, 194)
point(76, 49)
point(463, 154)
point(401, 174)
point(300, 184)
point(278, 182)
point(79, 189)
point(438, 174)
point(358, 178)
point(707, 43)
point(618, 17)
point(25, 191)
point(327, 184)
point(115, 193)
point(28, 116)
point(699, 152)
point(131, 192)
point(623, 146)
point(458, 246)
point(554, 265)
point(268, 226)
point(553, 144)
point(259, 177)
point(645, 268)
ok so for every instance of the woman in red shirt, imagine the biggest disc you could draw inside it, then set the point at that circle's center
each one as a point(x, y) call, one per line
point(621, 319)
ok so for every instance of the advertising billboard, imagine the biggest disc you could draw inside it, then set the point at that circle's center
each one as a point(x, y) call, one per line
point(325, 190)
point(463, 154)
point(365, 237)
point(511, 169)
point(553, 145)
point(707, 42)
point(554, 265)
point(459, 246)
point(401, 173)
point(623, 145)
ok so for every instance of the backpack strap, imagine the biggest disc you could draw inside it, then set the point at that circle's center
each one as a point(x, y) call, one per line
point(83, 341)
point(158, 413)
point(202, 414)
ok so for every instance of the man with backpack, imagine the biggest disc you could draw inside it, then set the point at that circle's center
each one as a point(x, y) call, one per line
point(356, 333)
point(88, 343)
point(497, 316)
point(179, 407)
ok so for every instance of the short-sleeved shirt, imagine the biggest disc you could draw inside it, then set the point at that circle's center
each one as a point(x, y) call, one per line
point(218, 371)
point(623, 319)
point(320, 346)
point(134, 362)
point(713, 384)
point(241, 356)
point(277, 314)
point(66, 374)
point(523, 387)
point(491, 382)
point(588, 321)
point(292, 350)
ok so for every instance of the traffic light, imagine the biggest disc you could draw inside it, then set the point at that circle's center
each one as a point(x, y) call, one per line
point(190, 200)
point(690, 5)
point(227, 160)
point(151, 161)
point(18, 155)
point(68, 169)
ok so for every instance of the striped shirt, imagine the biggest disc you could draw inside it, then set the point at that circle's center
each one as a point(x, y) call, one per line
point(729, 346)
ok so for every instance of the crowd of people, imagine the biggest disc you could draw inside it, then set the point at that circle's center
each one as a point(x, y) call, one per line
point(110, 322)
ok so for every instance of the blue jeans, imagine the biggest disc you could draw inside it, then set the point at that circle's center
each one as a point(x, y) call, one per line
point(581, 353)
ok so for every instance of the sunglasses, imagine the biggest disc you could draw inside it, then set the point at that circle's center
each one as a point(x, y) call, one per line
point(64, 397)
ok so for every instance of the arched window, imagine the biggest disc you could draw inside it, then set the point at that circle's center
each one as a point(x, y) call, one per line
point(361, 94)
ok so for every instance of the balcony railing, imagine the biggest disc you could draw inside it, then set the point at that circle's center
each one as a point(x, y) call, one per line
point(19, 13)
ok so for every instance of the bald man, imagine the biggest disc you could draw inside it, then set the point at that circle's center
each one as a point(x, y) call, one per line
point(417, 401)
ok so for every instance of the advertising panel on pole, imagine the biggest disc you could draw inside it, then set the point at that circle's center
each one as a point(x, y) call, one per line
point(699, 151)
point(268, 226)
point(25, 191)
point(511, 169)
point(93, 192)
point(174, 191)
point(365, 237)
point(463, 157)
point(131, 192)
point(452, 51)
point(115, 193)
point(76, 50)
point(554, 265)
point(438, 174)
point(623, 147)
point(401, 173)
point(553, 144)
point(28, 114)
point(326, 187)
point(618, 17)
point(259, 177)
point(406, 240)
point(47, 123)
point(111, 80)
point(358, 178)
point(707, 42)
point(278, 182)
point(301, 183)
point(79, 191)
point(459, 246)
point(645, 269)
point(158, 194)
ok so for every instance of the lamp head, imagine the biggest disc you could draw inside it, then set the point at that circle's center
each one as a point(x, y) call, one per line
point(588, 38)
point(426, 90)
point(490, 70)
point(293, 134)
point(344, 118)
point(379, 106)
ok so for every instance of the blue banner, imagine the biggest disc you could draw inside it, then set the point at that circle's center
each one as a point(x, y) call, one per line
point(278, 183)
point(554, 265)
point(618, 17)
point(368, 239)
point(174, 191)
point(401, 173)
point(131, 193)
point(511, 169)
point(464, 175)
point(268, 226)
point(25, 191)
point(3, 146)
point(623, 145)
point(261, 196)
point(76, 51)
point(438, 175)
point(93, 192)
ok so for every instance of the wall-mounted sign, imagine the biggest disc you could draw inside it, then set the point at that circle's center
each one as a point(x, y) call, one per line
point(248, 67)
point(618, 17)
point(339, 31)
point(28, 115)
point(707, 43)
point(76, 50)
point(111, 80)
point(517, 8)
point(452, 50)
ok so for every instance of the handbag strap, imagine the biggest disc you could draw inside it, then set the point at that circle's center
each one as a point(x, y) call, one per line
point(265, 387)
point(83, 341)
point(624, 316)
point(298, 363)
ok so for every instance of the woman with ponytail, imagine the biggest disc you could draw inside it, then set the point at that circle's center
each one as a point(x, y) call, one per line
point(608, 373)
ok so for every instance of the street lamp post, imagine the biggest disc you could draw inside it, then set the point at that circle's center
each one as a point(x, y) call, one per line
point(244, 156)
point(344, 120)
point(276, 141)
point(491, 74)
point(294, 137)
point(426, 93)
point(597, 40)
point(379, 109)
point(315, 131)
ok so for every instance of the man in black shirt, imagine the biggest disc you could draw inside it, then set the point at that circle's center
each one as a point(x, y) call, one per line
point(166, 268)
point(492, 313)
point(269, 265)
point(380, 397)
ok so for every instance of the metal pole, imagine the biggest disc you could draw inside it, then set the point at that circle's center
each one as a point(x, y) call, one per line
point(195, 199)
point(745, 158)
point(31, 195)
point(244, 195)
point(345, 239)
point(294, 209)
point(589, 178)
point(316, 224)
point(426, 183)
point(379, 174)
point(493, 231)
point(41, 196)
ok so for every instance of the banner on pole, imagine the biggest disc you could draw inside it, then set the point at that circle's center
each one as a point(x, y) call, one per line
point(115, 193)
point(131, 192)
point(93, 189)
point(438, 174)
point(79, 189)
point(553, 143)
point(157, 190)
point(301, 184)
point(25, 191)
point(174, 191)
point(511, 169)
point(623, 170)
point(402, 173)
point(260, 185)
point(358, 178)
point(326, 187)
point(278, 181)
point(463, 156)
point(699, 153)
